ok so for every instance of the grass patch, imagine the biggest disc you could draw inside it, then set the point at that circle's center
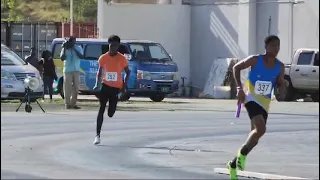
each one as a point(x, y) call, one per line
point(10, 101)
point(50, 107)
point(90, 101)
point(58, 105)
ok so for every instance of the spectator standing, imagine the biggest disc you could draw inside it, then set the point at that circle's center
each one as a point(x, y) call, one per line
point(71, 55)
point(49, 72)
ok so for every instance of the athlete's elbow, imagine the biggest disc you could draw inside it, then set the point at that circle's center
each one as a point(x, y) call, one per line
point(128, 72)
point(98, 73)
point(236, 69)
point(237, 65)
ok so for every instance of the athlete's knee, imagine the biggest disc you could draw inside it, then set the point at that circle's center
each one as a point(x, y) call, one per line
point(111, 111)
point(260, 131)
point(101, 112)
point(102, 108)
point(110, 114)
point(260, 126)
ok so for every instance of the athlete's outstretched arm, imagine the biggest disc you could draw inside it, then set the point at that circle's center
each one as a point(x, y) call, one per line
point(243, 64)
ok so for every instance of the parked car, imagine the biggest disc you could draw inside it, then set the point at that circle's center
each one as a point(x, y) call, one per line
point(153, 72)
point(302, 75)
point(13, 72)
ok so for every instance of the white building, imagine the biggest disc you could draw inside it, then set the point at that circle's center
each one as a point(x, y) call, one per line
point(205, 30)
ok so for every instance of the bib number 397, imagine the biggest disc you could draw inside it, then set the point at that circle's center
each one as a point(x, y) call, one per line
point(111, 76)
point(263, 87)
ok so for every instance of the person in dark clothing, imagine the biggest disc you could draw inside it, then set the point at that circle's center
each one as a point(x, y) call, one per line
point(33, 60)
point(49, 72)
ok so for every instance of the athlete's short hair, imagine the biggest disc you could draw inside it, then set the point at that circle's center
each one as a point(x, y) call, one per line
point(271, 38)
point(114, 38)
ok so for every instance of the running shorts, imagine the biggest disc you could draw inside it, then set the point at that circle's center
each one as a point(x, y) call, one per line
point(108, 93)
point(255, 109)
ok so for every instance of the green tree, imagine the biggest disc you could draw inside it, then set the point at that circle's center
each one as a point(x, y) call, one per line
point(11, 12)
point(48, 10)
point(81, 8)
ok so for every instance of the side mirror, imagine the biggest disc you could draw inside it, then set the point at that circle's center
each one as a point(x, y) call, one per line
point(171, 56)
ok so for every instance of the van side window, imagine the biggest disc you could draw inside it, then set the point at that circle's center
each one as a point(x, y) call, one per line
point(94, 51)
point(305, 58)
point(316, 59)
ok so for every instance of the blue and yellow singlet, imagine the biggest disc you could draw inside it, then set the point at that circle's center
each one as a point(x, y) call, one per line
point(261, 82)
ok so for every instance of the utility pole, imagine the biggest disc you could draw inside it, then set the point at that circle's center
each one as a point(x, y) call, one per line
point(71, 17)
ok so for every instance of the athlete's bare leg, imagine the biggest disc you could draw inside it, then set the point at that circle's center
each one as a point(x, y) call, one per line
point(258, 131)
point(258, 128)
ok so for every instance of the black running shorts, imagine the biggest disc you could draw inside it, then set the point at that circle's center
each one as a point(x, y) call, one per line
point(108, 93)
point(255, 109)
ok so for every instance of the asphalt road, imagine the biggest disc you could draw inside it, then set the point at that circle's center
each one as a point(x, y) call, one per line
point(153, 144)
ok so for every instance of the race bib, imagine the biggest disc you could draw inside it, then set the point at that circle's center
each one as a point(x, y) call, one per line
point(111, 76)
point(263, 87)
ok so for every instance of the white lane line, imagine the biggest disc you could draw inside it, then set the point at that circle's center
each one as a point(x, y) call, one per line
point(254, 174)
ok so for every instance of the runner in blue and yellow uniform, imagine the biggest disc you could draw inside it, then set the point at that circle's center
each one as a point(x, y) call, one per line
point(266, 72)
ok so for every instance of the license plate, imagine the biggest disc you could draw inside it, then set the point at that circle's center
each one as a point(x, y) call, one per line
point(164, 89)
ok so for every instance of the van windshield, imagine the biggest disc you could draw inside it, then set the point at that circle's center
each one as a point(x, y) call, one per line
point(149, 51)
point(9, 58)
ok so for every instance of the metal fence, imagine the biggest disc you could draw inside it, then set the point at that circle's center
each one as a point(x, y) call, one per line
point(21, 37)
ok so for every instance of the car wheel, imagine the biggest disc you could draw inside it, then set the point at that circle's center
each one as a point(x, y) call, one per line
point(157, 98)
point(125, 97)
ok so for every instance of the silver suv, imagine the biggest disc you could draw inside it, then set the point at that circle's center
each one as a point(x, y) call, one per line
point(13, 72)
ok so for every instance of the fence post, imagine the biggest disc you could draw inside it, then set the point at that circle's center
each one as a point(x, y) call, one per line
point(22, 51)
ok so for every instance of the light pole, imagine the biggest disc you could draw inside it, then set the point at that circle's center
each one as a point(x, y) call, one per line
point(71, 17)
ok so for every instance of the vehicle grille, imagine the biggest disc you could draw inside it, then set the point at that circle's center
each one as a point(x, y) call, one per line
point(160, 76)
point(22, 76)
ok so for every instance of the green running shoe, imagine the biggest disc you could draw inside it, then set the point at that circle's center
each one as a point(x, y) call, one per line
point(232, 171)
point(241, 161)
